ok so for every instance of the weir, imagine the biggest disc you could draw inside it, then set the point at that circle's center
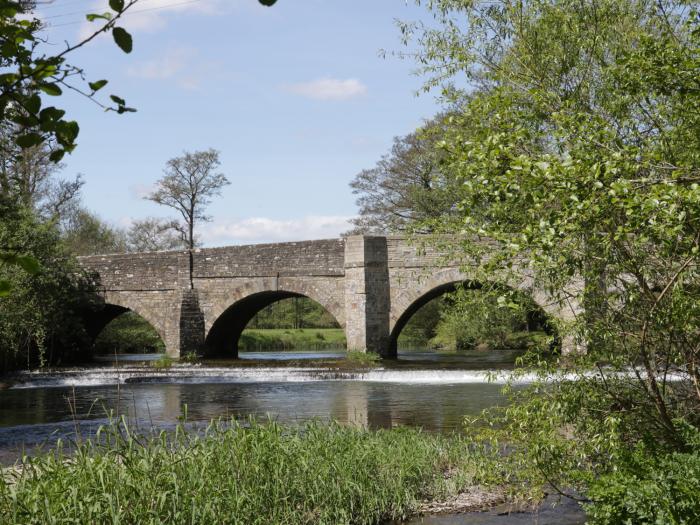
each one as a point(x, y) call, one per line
point(370, 284)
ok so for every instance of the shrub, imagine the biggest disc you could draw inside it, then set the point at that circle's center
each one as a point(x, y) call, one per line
point(363, 358)
point(163, 362)
point(649, 490)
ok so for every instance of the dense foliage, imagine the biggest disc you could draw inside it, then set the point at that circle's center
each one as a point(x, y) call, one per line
point(576, 149)
point(650, 488)
point(473, 319)
point(84, 233)
point(304, 339)
point(296, 312)
point(128, 333)
point(40, 320)
point(256, 474)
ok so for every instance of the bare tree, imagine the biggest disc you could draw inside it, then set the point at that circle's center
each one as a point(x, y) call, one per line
point(153, 234)
point(29, 178)
point(189, 183)
point(406, 185)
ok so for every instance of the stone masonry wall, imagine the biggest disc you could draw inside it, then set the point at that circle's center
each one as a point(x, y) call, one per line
point(366, 283)
point(307, 258)
point(367, 294)
point(139, 271)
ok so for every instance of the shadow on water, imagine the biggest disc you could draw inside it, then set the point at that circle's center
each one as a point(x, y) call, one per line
point(552, 511)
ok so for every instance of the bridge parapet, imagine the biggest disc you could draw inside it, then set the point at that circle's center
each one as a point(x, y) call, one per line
point(139, 271)
point(305, 258)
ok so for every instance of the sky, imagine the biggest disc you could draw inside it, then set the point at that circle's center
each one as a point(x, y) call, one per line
point(297, 98)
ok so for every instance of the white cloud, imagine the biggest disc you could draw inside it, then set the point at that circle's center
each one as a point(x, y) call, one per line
point(329, 89)
point(141, 191)
point(175, 63)
point(263, 229)
point(152, 15)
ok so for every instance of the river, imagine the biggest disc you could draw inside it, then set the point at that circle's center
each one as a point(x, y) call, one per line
point(421, 389)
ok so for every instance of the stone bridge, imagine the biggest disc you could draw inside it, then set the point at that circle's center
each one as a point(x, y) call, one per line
point(371, 285)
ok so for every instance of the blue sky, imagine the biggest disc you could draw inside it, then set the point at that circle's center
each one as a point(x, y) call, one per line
point(295, 97)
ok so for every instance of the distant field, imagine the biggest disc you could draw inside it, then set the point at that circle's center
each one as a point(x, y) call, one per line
point(272, 339)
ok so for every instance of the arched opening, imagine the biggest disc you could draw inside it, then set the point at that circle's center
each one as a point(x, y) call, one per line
point(465, 318)
point(274, 321)
point(120, 331)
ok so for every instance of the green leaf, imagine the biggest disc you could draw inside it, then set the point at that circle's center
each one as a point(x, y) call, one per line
point(68, 131)
point(28, 140)
point(28, 264)
point(94, 16)
point(117, 5)
point(51, 114)
point(97, 85)
point(33, 104)
point(123, 39)
point(5, 287)
point(57, 155)
point(51, 89)
point(117, 100)
point(8, 78)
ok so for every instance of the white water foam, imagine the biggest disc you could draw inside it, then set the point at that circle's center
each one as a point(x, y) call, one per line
point(195, 374)
point(202, 375)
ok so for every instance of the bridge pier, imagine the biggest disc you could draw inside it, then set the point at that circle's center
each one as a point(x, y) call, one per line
point(367, 295)
point(191, 325)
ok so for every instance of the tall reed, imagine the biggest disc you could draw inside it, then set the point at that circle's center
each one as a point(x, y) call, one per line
point(257, 473)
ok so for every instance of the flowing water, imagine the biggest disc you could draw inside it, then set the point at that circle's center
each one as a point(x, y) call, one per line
point(426, 390)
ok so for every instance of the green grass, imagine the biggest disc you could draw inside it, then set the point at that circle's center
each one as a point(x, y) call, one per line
point(252, 474)
point(129, 333)
point(261, 340)
point(163, 362)
point(355, 357)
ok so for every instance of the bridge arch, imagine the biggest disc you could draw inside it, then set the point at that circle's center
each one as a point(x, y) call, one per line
point(226, 327)
point(423, 289)
point(114, 307)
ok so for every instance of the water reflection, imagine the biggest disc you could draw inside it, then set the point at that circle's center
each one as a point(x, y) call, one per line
point(31, 416)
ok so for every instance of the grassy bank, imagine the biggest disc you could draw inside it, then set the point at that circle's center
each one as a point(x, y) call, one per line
point(257, 474)
point(271, 339)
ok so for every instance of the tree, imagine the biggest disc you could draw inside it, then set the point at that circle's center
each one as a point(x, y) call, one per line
point(29, 71)
point(40, 320)
point(577, 150)
point(84, 233)
point(405, 189)
point(28, 177)
point(154, 234)
point(189, 183)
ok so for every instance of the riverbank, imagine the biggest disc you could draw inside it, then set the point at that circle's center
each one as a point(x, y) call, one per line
point(275, 339)
point(252, 473)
